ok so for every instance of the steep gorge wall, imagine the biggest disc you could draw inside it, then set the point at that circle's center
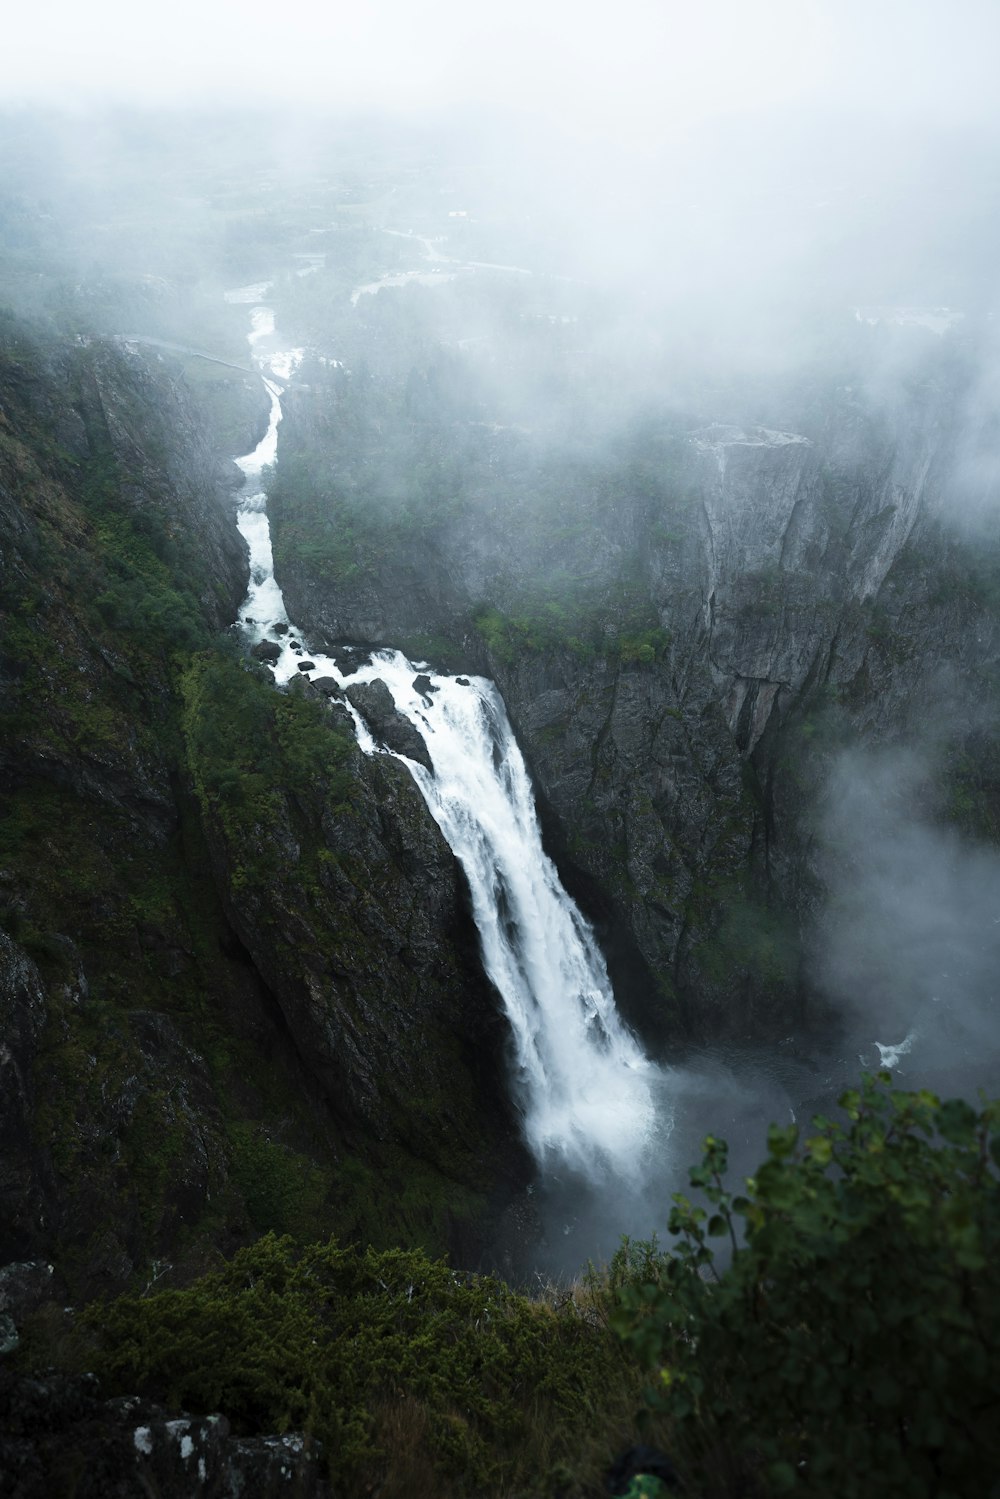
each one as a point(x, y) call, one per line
point(199, 1042)
point(741, 603)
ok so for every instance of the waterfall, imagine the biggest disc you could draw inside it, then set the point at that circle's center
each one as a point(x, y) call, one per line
point(583, 1083)
point(582, 1080)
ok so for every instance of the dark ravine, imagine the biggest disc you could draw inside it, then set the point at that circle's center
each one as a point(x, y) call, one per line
point(240, 986)
point(752, 601)
point(191, 1057)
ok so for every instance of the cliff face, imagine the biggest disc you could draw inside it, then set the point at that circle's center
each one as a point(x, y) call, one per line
point(351, 906)
point(240, 982)
point(684, 635)
point(213, 1024)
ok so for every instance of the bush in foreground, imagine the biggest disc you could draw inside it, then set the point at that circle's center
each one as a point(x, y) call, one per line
point(851, 1346)
point(417, 1379)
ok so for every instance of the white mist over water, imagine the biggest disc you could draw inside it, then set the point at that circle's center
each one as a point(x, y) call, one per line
point(585, 1087)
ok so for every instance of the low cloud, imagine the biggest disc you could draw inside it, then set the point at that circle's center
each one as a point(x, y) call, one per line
point(908, 943)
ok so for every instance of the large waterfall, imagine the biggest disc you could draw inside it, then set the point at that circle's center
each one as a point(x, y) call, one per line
point(582, 1081)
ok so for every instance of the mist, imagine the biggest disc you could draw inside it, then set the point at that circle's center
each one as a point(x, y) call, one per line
point(904, 949)
point(908, 944)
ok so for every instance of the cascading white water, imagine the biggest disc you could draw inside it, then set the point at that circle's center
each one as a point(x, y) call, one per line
point(263, 607)
point(584, 1085)
point(583, 1080)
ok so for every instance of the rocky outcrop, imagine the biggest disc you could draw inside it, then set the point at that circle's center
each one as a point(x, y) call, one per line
point(58, 1436)
point(374, 702)
point(160, 1100)
point(735, 589)
point(172, 478)
point(24, 1287)
point(359, 924)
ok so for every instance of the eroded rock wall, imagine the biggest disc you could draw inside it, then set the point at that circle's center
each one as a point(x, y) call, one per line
point(189, 1059)
point(683, 633)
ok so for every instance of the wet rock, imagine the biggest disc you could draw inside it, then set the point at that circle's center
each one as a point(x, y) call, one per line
point(352, 657)
point(374, 702)
point(267, 650)
point(462, 681)
point(341, 997)
point(281, 628)
point(307, 666)
point(799, 577)
point(382, 957)
point(341, 717)
point(166, 447)
point(328, 686)
point(425, 687)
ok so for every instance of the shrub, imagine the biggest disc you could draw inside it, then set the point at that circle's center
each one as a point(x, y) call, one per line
point(248, 745)
point(851, 1346)
point(345, 1343)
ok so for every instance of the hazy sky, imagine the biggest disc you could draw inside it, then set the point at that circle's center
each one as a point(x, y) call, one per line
point(620, 69)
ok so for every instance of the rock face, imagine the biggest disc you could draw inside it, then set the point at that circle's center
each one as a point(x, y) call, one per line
point(355, 914)
point(373, 701)
point(22, 1021)
point(746, 600)
point(239, 982)
point(57, 1435)
point(185, 1062)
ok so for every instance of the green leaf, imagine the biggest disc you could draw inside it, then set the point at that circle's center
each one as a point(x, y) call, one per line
point(820, 1149)
point(782, 1140)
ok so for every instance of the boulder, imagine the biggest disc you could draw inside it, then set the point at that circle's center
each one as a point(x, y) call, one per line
point(341, 717)
point(373, 701)
point(267, 650)
point(54, 1423)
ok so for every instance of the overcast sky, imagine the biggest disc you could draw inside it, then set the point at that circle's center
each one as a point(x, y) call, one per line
point(628, 69)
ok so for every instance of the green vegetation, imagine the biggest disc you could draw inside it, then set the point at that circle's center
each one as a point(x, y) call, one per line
point(547, 628)
point(850, 1345)
point(170, 1115)
point(250, 747)
point(416, 1378)
point(581, 627)
point(846, 1342)
point(748, 939)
